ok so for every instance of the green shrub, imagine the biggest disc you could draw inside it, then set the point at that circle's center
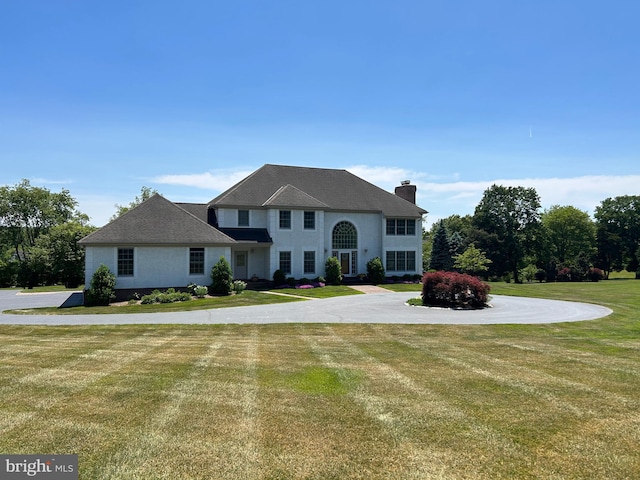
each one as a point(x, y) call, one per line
point(200, 291)
point(221, 278)
point(153, 297)
point(102, 288)
point(238, 286)
point(529, 272)
point(291, 282)
point(169, 296)
point(333, 271)
point(375, 271)
point(279, 278)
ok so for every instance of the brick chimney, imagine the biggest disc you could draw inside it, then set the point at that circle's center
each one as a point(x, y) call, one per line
point(407, 191)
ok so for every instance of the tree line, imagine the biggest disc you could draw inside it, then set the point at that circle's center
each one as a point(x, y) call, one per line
point(507, 236)
point(510, 237)
point(39, 234)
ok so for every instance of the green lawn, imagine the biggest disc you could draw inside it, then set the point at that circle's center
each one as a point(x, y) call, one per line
point(324, 292)
point(557, 401)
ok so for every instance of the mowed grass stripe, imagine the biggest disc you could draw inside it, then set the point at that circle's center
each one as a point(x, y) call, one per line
point(61, 382)
point(527, 377)
point(595, 416)
point(431, 420)
point(146, 454)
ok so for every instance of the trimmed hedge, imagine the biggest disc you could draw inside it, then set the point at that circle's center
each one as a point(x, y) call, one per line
point(455, 290)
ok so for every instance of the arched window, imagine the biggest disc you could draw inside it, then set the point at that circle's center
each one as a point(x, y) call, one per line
point(344, 236)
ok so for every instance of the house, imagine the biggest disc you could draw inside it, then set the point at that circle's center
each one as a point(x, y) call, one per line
point(279, 217)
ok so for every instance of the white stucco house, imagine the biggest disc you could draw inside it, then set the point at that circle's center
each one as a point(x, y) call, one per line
point(279, 217)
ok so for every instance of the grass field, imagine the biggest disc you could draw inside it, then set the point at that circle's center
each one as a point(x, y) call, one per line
point(557, 401)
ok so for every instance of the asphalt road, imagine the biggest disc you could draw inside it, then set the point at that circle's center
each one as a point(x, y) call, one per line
point(370, 308)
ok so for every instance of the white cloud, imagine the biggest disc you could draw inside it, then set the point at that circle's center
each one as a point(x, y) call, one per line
point(390, 177)
point(215, 180)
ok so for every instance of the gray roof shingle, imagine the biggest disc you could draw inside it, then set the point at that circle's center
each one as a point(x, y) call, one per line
point(290, 196)
point(157, 221)
point(306, 187)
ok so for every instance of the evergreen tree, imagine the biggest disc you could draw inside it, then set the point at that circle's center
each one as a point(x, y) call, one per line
point(375, 271)
point(221, 278)
point(440, 250)
point(456, 244)
point(333, 271)
point(102, 289)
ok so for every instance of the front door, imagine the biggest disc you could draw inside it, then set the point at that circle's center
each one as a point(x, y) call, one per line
point(348, 261)
point(345, 261)
point(240, 265)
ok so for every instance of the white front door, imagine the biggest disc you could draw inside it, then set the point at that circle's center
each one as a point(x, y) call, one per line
point(240, 265)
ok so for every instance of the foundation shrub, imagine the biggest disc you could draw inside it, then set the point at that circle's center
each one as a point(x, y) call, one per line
point(375, 271)
point(102, 287)
point(238, 286)
point(221, 278)
point(333, 271)
point(168, 296)
point(454, 290)
point(200, 291)
point(279, 278)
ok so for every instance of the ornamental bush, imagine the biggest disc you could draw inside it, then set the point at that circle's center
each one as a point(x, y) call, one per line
point(238, 286)
point(221, 278)
point(200, 291)
point(279, 278)
point(168, 296)
point(454, 290)
point(333, 271)
point(595, 274)
point(102, 288)
point(375, 271)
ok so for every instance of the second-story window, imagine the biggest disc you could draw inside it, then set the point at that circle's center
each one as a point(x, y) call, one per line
point(285, 219)
point(309, 220)
point(243, 218)
point(401, 226)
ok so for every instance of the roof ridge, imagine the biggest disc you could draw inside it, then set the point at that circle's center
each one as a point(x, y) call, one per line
point(198, 219)
point(234, 187)
point(288, 187)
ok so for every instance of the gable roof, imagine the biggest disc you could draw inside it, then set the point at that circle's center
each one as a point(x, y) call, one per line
point(305, 187)
point(157, 221)
point(197, 209)
point(290, 196)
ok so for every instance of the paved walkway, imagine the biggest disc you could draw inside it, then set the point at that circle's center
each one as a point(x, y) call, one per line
point(370, 289)
point(373, 308)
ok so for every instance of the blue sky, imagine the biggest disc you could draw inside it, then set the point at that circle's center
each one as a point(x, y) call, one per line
point(102, 98)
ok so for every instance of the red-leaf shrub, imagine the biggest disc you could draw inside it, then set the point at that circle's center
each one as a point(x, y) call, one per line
point(564, 275)
point(595, 274)
point(452, 289)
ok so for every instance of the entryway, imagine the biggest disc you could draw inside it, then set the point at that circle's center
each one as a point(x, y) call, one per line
point(240, 265)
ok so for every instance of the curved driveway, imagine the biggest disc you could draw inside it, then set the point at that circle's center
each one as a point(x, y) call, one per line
point(370, 308)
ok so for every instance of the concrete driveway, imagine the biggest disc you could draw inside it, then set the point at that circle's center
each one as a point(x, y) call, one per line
point(370, 308)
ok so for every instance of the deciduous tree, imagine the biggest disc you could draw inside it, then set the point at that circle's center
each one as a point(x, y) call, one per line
point(570, 232)
point(618, 233)
point(512, 215)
